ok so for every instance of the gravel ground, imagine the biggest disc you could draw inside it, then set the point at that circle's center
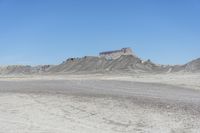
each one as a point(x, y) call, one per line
point(100, 106)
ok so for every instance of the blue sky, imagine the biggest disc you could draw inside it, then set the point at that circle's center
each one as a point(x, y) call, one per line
point(49, 31)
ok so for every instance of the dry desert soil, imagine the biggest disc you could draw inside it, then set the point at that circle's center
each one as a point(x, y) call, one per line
point(100, 104)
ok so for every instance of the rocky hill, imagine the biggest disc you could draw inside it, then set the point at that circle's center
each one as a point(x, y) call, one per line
point(127, 62)
point(89, 64)
point(116, 53)
point(20, 69)
point(193, 66)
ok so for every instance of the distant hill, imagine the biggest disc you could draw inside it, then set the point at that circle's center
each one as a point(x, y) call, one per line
point(127, 62)
point(20, 69)
point(89, 64)
point(193, 66)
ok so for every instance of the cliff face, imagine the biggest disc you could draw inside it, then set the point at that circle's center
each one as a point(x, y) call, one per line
point(116, 54)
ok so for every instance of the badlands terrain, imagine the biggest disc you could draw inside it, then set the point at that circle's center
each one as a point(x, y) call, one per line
point(99, 95)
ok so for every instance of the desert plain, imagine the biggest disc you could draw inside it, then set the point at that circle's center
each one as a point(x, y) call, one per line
point(100, 103)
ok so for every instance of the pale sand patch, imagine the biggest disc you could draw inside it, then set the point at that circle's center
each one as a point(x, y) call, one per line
point(21, 113)
point(187, 80)
point(100, 104)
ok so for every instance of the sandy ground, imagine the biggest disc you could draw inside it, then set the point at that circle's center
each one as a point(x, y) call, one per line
point(187, 80)
point(100, 104)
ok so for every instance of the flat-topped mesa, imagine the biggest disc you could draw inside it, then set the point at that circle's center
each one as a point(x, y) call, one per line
point(116, 53)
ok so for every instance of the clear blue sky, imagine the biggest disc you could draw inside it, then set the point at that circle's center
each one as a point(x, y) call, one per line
point(49, 31)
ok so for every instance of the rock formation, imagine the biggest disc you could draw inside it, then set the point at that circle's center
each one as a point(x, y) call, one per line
point(118, 61)
point(116, 54)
